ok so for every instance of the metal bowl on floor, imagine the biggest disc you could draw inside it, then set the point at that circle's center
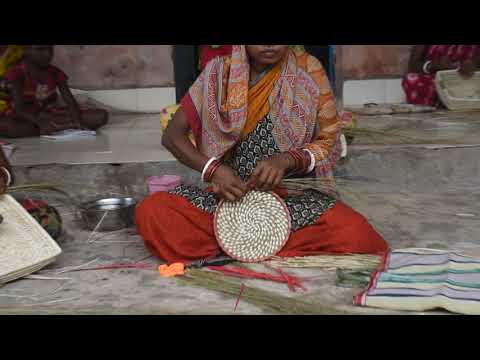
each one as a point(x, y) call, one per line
point(109, 214)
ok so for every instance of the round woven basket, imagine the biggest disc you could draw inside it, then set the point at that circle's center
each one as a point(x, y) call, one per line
point(253, 229)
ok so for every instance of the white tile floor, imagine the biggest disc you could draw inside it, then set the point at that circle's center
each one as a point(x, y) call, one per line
point(126, 139)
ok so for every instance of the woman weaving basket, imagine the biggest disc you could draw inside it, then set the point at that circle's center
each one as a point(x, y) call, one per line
point(263, 113)
point(426, 60)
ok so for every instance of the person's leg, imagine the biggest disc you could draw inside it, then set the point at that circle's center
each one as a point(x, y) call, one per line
point(17, 128)
point(340, 230)
point(174, 229)
point(94, 119)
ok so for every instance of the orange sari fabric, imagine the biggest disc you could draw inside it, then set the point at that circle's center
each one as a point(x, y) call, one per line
point(259, 99)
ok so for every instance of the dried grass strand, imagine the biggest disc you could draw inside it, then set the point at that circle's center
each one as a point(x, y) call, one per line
point(265, 300)
point(330, 262)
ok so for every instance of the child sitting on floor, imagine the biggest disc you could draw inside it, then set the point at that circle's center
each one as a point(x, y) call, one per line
point(32, 105)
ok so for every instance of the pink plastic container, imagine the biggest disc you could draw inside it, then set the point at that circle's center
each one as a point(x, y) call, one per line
point(163, 183)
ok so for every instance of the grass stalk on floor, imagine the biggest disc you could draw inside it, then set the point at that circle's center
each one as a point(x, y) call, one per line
point(266, 300)
point(358, 262)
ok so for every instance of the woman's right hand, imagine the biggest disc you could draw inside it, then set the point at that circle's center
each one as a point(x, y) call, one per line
point(227, 184)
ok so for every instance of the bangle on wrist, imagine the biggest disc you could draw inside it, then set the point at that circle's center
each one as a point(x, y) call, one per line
point(209, 169)
point(427, 67)
point(311, 163)
point(7, 175)
point(215, 165)
point(302, 160)
point(205, 167)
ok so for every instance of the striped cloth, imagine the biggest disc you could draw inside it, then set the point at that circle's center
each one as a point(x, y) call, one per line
point(425, 279)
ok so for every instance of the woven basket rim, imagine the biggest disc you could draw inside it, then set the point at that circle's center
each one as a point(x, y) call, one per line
point(450, 102)
point(239, 258)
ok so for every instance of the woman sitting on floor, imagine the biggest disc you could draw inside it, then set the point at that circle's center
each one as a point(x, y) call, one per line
point(261, 114)
point(32, 106)
point(426, 60)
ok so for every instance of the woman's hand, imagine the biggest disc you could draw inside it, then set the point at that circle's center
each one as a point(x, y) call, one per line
point(3, 185)
point(467, 68)
point(228, 185)
point(4, 180)
point(46, 124)
point(268, 174)
point(49, 123)
point(444, 63)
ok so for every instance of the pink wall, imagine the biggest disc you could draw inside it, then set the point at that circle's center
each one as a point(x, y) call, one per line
point(374, 61)
point(94, 67)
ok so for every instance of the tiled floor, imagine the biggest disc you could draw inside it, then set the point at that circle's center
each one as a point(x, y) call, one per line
point(136, 138)
point(126, 139)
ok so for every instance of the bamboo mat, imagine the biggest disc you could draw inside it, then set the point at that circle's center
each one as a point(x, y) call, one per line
point(25, 247)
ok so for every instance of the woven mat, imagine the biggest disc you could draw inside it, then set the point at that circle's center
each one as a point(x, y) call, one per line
point(25, 247)
point(425, 279)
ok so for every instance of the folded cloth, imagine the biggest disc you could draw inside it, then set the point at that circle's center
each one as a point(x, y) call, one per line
point(425, 279)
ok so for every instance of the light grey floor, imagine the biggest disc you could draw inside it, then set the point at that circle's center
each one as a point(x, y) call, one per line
point(126, 139)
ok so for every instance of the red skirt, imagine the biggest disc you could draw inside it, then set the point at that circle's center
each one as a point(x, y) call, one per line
point(177, 231)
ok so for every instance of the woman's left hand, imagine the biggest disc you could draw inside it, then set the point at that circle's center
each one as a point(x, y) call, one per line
point(268, 174)
point(3, 184)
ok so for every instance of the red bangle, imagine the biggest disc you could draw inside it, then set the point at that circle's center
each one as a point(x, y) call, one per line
point(214, 168)
point(211, 170)
point(301, 160)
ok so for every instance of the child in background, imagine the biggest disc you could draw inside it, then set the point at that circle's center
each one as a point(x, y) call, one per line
point(427, 60)
point(32, 105)
point(10, 55)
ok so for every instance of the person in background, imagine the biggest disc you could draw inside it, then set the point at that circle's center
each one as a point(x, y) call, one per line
point(209, 52)
point(10, 55)
point(33, 106)
point(426, 60)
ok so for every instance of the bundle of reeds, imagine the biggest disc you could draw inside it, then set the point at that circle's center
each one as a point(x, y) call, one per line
point(325, 185)
point(353, 279)
point(35, 186)
point(265, 300)
point(360, 262)
point(334, 187)
point(377, 136)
